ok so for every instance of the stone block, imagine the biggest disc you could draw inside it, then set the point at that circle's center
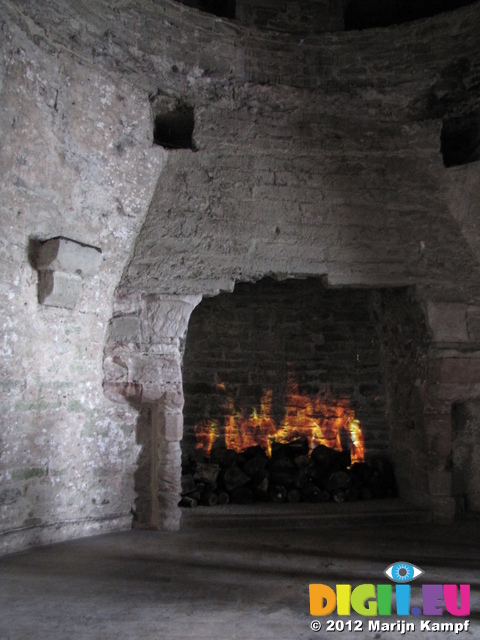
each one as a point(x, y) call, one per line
point(155, 374)
point(458, 371)
point(58, 289)
point(125, 330)
point(448, 321)
point(173, 400)
point(173, 427)
point(443, 509)
point(114, 370)
point(9, 496)
point(473, 323)
point(438, 434)
point(123, 392)
point(68, 256)
point(436, 424)
point(440, 483)
point(167, 317)
point(452, 393)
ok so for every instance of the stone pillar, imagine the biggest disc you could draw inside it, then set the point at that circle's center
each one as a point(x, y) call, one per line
point(142, 366)
point(453, 376)
point(170, 431)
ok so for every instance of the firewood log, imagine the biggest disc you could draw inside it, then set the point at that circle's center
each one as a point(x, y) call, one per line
point(294, 495)
point(206, 472)
point(234, 477)
point(278, 493)
point(186, 501)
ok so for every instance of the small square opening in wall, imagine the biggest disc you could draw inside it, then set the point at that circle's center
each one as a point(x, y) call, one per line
point(460, 140)
point(174, 129)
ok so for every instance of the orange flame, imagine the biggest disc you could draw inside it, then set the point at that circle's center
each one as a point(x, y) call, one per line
point(320, 420)
point(206, 432)
point(257, 429)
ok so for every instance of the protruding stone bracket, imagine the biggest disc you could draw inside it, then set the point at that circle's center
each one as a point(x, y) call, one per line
point(62, 265)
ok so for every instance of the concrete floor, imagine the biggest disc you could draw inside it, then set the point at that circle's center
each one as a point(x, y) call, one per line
point(225, 583)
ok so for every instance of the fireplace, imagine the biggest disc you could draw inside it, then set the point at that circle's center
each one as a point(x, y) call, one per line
point(320, 360)
point(289, 388)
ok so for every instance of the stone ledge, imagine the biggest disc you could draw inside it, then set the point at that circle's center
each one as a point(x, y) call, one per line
point(57, 289)
point(68, 256)
point(62, 264)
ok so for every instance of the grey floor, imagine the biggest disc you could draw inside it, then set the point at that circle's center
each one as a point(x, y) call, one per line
point(209, 582)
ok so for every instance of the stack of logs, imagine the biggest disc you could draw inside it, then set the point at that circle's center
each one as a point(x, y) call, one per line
point(289, 475)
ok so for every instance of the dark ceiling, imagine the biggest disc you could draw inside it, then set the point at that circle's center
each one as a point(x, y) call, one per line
point(366, 14)
point(358, 14)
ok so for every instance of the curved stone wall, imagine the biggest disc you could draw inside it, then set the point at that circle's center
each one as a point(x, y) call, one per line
point(315, 156)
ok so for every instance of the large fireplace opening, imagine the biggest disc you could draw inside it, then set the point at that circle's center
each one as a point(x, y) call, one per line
point(289, 387)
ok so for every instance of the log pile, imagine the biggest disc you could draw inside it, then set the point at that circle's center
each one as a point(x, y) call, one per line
point(289, 475)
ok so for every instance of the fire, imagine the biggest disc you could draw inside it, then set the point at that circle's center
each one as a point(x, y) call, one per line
point(357, 450)
point(257, 429)
point(319, 419)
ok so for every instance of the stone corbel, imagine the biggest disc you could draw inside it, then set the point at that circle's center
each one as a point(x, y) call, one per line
point(62, 265)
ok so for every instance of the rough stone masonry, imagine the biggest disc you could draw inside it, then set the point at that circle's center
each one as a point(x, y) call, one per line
point(312, 155)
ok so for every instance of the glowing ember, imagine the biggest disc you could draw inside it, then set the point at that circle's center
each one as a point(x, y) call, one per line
point(320, 420)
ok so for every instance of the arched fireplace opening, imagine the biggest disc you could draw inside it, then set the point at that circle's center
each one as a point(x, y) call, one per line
point(295, 392)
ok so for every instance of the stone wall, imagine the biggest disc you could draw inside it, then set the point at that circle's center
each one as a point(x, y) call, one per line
point(466, 456)
point(314, 156)
point(405, 341)
point(76, 161)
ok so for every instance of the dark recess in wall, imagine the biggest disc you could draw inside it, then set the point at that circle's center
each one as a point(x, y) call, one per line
point(460, 140)
point(220, 8)
point(174, 129)
point(370, 14)
point(252, 339)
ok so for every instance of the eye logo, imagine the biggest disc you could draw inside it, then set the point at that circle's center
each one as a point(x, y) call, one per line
point(379, 600)
point(402, 572)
